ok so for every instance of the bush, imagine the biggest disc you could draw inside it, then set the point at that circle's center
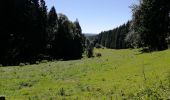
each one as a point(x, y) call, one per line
point(90, 52)
point(44, 61)
point(37, 62)
point(90, 48)
point(98, 54)
point(62, 92)
point(168, 41)
point(22, 64)
point(27, 63)
point(98, 46)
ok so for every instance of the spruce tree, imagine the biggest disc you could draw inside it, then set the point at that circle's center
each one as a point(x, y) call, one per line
point(52, 31)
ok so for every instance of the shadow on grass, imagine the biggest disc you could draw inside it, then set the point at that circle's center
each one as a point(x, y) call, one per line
point(147, 50)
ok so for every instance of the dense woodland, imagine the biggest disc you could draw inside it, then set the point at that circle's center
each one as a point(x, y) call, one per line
point(29, 33)
point(114, 39)
point(148, 29)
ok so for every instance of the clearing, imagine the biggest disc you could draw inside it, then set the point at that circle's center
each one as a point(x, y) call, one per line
point(117, 74)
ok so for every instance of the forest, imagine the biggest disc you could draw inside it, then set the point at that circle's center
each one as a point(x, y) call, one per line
point(45, 56)
point(149, 28)
point(114, 39)
point(29, 33)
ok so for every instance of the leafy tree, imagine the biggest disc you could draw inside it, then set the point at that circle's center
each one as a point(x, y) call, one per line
point(150, 23)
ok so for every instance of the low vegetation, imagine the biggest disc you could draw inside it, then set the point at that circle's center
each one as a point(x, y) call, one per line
point(117, 74)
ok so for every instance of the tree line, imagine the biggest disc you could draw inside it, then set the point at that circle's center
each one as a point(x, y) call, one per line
point(29, 33)
point(114, 39)
point(149, 28)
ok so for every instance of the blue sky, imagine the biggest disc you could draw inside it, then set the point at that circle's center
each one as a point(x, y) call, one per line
point(95, 15)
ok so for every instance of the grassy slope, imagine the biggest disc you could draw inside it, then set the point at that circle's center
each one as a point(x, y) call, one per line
point(117, 74)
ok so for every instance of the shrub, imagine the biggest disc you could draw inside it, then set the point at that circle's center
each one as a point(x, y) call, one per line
point(98, 54)
point(90, 52)
point(98, 46)
point(62, 92)
point(27, 63)
point(44, 61)
point(37, 62)
point(22, 64)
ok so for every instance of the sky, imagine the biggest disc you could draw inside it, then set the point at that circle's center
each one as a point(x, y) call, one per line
point(95, 16)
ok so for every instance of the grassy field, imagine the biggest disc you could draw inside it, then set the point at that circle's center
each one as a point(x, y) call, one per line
point(118, 74)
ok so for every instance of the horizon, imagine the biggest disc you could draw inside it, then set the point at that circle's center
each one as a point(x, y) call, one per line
point(95, 16)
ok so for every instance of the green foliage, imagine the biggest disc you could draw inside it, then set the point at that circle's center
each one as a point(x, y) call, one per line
point(21, 64)
point(98, 46)
point(90, 49)
point(52, 29)
point(62, 92)
point(69, 40)
point(150, 24)
point(114, 39)
point(30, 31)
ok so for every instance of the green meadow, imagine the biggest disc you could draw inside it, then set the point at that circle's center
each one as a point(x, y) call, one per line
point(116, 75)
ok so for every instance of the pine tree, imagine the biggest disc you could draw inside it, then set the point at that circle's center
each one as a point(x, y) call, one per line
point(115, 38)
point(79, 40)
point(43, 24)
point(28, 31)
point(52, 31)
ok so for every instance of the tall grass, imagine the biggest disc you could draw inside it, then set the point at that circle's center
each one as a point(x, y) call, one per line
point(117, 74)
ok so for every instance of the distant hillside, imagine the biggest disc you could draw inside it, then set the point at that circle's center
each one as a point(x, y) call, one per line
point(90, 36)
